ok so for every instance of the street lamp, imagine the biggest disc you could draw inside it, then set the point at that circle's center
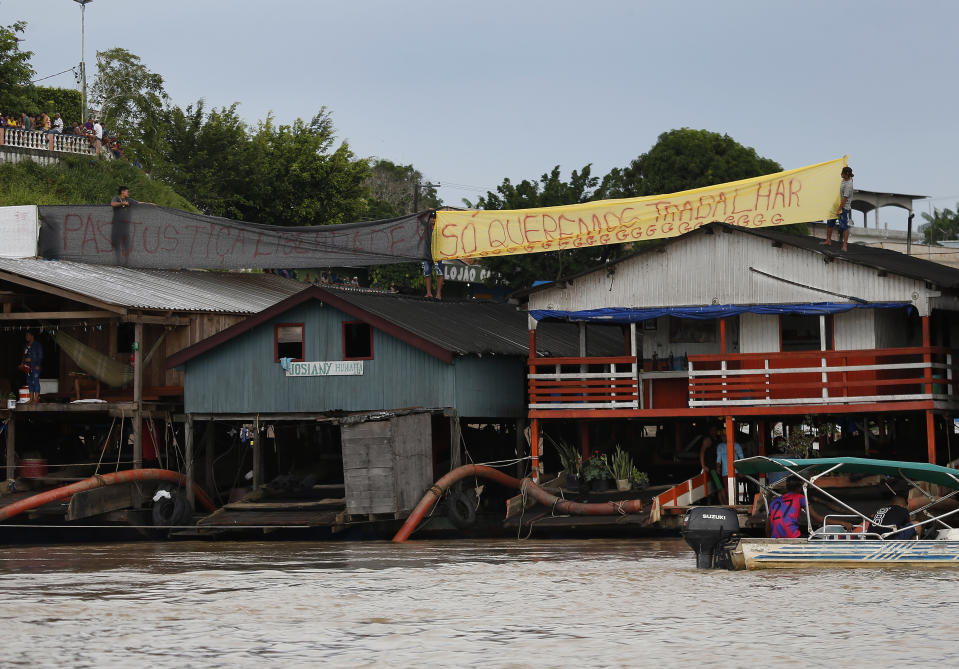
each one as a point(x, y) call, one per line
point(83, 65)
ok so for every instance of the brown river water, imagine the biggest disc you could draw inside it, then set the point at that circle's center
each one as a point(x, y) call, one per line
point(498, 603)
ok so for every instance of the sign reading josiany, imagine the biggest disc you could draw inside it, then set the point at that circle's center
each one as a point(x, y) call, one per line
point(147, 236)
point(795, 196)
point(326, 368)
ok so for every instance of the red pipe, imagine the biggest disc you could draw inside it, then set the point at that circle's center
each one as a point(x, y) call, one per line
point(573, 508)
point(100, 481)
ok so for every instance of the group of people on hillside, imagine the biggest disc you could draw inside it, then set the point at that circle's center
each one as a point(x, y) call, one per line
point(92, 130)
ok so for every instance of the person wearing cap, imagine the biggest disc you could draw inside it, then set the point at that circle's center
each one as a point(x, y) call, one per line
point(844, 214)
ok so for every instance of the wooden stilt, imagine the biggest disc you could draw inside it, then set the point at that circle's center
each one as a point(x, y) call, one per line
point(188, 456)
point(761, 435)
point(931, 436)
point(138, 397)
point(11, 447)
point(257, 455)
point(584, 439)
point(534, 446)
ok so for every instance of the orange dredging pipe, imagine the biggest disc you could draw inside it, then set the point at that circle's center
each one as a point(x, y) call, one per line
point(434, 494)
point(100, 481)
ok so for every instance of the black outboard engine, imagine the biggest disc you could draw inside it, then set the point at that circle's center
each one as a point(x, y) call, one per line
point(711, 531)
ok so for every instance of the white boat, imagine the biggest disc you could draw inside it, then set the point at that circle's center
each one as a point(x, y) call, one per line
point(712, 533)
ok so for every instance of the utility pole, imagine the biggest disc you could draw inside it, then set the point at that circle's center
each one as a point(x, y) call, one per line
point(83, 63)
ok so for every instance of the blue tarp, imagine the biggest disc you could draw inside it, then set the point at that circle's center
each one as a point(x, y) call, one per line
point(627, 315)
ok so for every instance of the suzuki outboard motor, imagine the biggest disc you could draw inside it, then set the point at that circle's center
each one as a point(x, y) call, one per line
point(711, 531)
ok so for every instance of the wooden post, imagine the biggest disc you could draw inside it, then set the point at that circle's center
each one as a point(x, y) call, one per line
point(257, 455)
point(534, 446)
point(730, 459)
point(456, 453)
point(208, 477)
point(931, 436)
point(722, 336)
point(584, 439)
point(761, 435)
point(138, 397)
point(11, 447)
point(188, 455)
point(520, 446)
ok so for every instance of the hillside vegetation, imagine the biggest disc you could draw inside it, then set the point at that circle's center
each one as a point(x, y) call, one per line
point(82, 180)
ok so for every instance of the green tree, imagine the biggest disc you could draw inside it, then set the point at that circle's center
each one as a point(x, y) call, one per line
point(131, 100)
point(395, 190)
point(205, 157)
point(15, 71)
point(683, 159)
point(298, 176)
point(942, 225)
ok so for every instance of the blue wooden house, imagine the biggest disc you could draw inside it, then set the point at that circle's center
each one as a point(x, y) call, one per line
point(374, 391)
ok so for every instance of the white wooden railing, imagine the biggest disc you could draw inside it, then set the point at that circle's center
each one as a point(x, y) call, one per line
point(42, 141)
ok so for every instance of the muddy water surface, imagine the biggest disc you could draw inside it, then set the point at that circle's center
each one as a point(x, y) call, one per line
point(496, 603)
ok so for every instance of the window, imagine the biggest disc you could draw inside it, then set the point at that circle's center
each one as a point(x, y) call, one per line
point(801, 333)
point(357, 341)
point(288, 341)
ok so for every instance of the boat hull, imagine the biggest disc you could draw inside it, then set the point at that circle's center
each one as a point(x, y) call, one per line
point(799, 553)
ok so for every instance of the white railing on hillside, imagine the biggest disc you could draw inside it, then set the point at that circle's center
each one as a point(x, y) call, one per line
point(42, 141)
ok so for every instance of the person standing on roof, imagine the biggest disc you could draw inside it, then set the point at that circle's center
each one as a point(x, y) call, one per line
point(120, 231)
point(844, 214)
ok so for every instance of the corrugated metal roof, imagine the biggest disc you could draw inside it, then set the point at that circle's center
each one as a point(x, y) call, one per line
point(473, 327)
point(175, 290)
point(887, 260)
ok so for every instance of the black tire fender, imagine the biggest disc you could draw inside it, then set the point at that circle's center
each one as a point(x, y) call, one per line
point(461, 509)
point(172, 510)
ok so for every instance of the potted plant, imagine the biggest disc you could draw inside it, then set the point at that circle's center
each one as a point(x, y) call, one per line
point(596, 470)
point(639, 479)
point(572, 463)
point(622, 467)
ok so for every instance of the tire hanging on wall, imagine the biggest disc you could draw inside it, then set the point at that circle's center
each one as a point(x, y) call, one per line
point(461, 509)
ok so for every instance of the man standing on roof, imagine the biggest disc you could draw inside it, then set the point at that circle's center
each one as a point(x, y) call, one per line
point(120, 230)
point(845, 210)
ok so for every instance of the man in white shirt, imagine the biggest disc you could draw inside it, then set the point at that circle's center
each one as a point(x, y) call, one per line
point(98, 130)
point(57, 124)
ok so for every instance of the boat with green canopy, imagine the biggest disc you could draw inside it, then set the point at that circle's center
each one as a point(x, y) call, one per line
point(846, 537)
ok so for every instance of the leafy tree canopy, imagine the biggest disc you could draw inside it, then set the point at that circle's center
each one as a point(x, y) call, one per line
point(131, 100)
point(683, 159)
point(942, 225)
point(15, 70)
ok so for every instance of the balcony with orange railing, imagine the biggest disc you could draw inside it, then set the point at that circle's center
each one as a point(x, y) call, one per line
point(813, 378)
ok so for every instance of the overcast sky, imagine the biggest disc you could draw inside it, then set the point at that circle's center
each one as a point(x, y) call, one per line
point(471, 93)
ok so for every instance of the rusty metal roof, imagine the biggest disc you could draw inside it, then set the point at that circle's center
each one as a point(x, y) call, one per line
point(167, 290)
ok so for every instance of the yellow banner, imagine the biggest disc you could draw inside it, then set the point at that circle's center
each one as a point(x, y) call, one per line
point(795, 196)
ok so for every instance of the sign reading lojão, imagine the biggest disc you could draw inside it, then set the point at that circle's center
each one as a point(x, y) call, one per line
point(794, 196)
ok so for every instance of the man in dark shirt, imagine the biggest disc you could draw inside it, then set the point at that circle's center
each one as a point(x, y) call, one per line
point(120, 232)
point(894, 517)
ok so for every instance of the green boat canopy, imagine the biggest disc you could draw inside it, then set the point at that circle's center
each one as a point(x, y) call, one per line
point(917, 471)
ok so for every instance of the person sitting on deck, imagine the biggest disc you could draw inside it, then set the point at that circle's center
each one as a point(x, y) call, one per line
point(784, 512)
point(894, 517)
